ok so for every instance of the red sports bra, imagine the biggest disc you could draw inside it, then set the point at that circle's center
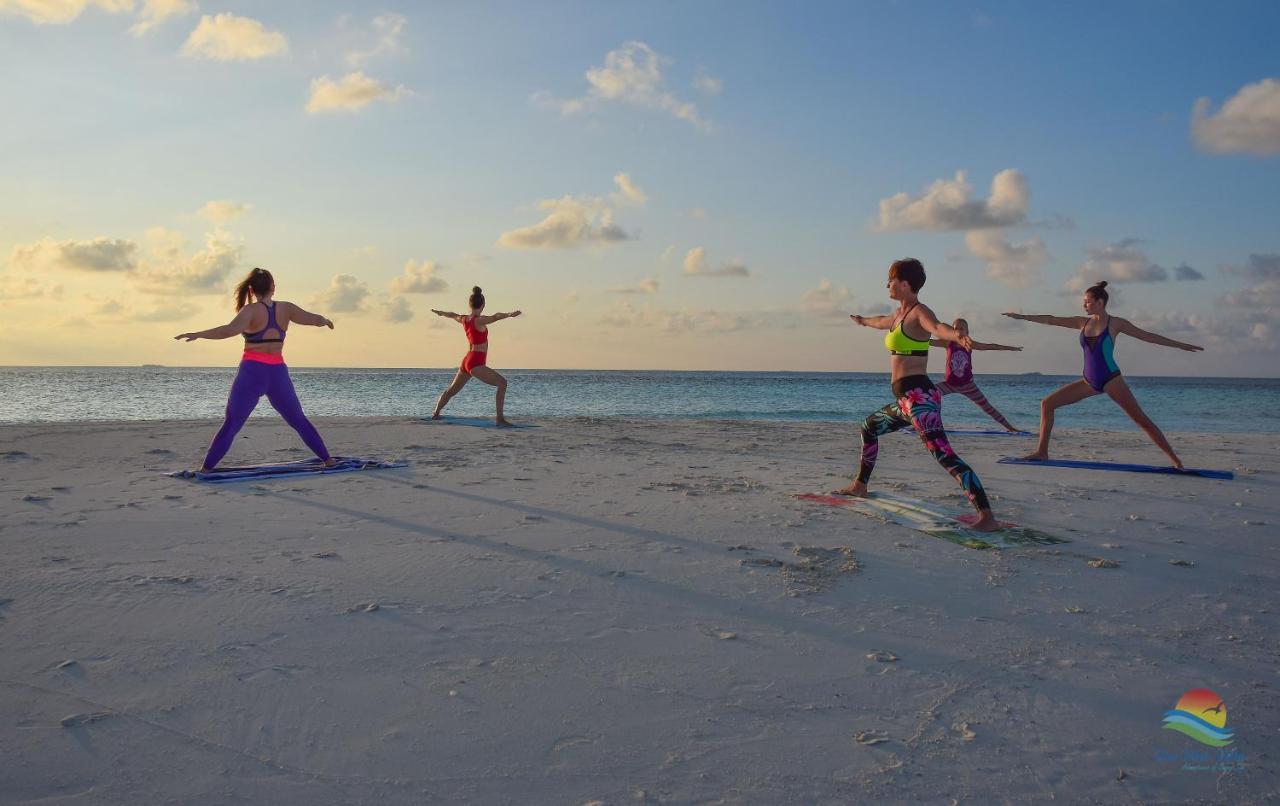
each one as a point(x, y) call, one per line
point(474, 336)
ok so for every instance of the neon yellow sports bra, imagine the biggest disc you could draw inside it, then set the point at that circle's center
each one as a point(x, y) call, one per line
point(897, 342)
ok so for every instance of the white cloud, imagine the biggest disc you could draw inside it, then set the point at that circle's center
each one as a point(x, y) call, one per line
point(695, 265)
point(345, 294)
point(627, 193)
point(419, 278)
point(667, 253)
point(632, 74)
point(60, 12)
point(707, 82)
point(387, 29)
point(98, 255)
point(154, 13)
point(1015, 265)
point(648, 285)
point(570, 222)
point(228, 38)
point(352, 92)
point(224, 210)
point(397, 309)
point(1119, 262)
point(1248, 123)
point(171, 271)
point(827, 300)
point(945, 205)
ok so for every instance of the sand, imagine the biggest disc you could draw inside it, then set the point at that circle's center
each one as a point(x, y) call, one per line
point(621, 611)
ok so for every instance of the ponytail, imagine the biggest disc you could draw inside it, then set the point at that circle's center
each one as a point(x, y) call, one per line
point(259, 282)
point(477, 298)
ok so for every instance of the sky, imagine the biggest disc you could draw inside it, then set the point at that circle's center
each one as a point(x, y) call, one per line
point(711, 185)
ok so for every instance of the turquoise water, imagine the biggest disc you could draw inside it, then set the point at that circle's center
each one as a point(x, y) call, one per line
point(60, 394)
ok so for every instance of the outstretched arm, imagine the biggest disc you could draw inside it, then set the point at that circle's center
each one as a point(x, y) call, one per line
point(1075, 322)
point(983, 345)
point(943, 332)
point(302, 317)
point(877, 322)
point(447, 315)
point(235, 327)
point(1125, 326)
point(487, 320)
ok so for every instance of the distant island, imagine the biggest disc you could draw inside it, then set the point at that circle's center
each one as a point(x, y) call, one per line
point(153, 366)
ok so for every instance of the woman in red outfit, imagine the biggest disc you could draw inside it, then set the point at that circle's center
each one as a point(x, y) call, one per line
point(476, 326)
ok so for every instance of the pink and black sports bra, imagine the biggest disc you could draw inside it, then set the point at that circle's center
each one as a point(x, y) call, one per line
point(257, 337)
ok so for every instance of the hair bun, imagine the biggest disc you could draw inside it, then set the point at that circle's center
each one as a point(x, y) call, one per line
point(475, 289)
point(1101, 284)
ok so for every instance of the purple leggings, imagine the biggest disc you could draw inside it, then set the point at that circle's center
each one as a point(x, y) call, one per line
point(254, 380)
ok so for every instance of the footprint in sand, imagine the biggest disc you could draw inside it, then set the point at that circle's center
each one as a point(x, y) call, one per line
point(76, 720)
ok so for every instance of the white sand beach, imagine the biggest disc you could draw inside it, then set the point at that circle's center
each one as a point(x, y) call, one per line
point(590, 611)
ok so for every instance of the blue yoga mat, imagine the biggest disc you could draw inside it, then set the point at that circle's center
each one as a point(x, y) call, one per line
point(475, 422)
point(307, 467)
point(1172, 471)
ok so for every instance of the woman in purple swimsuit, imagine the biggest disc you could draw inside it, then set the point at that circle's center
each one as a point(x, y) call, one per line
point(1101, 374)
point(262, 369)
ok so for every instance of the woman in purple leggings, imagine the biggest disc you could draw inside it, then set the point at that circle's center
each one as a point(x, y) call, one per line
point(263, 324)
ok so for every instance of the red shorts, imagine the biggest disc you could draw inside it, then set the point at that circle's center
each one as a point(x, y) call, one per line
point(473, 359)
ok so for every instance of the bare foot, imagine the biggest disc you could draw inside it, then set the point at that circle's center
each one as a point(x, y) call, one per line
point(855, 488)
point(205, 470)
point(503, 422)
point(330, 462)
point(1037, 456)
point(1013, 430)
point(986, 522)
point(435, 416)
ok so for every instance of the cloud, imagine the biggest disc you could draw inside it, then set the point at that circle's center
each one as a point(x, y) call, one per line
point(220, 211)
point(1248, 123)
point(1119, 262)
point(647, 286)
point(570, 222)
point(632, 75)
point(945, 205)
point(827, 300)
point(228, 38)
point(108, 307)
point(60, 12)
point(345, 294)
point(164, 312)
point(419, 278)
point(155, 13)
point(397, 310)
point(627, 193)
point(171, 271)
point(1184, 272)
point(12, 288)
point(686, 320)
point(351, 93)
point(98, 255)
point(1015, 265)
point(707, 82)
point(695, 265)
point(1262, 295)
point(698, 213)
point(387, 28)
point(667, 253)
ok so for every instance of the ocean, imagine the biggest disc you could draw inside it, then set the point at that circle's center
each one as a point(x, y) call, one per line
point(64, 394)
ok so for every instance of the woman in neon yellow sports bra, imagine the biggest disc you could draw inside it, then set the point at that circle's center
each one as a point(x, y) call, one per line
point(918, 402)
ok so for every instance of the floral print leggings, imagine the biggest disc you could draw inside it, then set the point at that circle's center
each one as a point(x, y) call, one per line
point(920, 406)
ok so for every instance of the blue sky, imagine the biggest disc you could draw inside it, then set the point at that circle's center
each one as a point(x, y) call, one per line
point(766, 135)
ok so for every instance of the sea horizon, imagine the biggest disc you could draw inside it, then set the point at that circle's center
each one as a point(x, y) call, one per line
point(149, 393)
